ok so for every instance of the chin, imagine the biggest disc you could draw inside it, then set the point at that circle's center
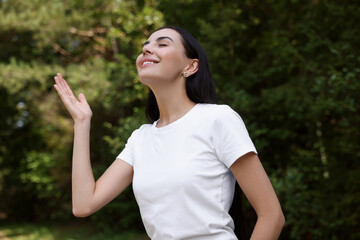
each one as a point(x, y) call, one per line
point(146, 80)
point(150, 80)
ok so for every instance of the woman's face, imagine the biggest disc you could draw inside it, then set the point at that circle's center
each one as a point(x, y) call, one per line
point(163, 58)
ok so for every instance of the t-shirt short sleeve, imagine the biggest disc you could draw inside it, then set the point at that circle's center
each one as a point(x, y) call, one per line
point(232, 139)
point(127, 154)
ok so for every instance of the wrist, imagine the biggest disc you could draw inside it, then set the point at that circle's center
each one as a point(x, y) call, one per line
point(85, 123)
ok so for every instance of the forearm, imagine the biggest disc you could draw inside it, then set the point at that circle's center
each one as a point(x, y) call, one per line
point(83, 182)
point(268, 227)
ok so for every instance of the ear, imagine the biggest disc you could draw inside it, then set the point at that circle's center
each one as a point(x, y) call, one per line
point(192, 67)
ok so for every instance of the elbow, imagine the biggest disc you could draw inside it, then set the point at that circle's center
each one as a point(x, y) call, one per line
point(276, 219)
point(81, 213)
point(281, 220)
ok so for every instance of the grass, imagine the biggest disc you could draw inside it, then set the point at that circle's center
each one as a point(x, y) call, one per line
point(29, 231)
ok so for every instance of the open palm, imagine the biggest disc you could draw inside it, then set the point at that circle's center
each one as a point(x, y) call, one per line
point(79, 109)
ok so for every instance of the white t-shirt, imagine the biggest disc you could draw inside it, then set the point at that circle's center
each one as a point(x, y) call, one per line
point(182, 181)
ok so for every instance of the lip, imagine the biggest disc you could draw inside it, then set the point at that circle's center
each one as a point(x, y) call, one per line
point(147, 60)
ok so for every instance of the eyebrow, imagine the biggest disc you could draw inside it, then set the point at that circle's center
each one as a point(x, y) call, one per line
point(158, 39)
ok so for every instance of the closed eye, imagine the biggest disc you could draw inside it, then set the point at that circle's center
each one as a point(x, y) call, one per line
point(162, 45)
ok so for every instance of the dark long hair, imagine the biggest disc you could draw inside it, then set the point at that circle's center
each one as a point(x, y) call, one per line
point(200, 88)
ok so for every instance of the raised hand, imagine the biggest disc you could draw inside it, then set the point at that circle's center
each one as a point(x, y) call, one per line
point(79, 109)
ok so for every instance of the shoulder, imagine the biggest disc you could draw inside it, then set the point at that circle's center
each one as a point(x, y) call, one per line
point(217, 111)
point(216, 108)
point(220, 117)
point(143, 129)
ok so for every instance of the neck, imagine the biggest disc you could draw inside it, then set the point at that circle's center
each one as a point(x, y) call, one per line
point(172, 103)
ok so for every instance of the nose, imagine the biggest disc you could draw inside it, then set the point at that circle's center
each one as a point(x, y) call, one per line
point(147, 49)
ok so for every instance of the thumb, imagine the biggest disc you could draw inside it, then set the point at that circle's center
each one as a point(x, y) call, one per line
point(82, 98)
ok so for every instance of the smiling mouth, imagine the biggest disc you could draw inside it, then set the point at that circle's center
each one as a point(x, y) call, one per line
point(148, 63)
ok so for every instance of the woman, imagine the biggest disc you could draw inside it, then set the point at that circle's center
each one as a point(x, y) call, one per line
point(184, 164)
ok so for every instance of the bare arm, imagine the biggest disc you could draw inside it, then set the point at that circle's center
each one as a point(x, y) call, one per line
point(87, 195)
point(256, 186)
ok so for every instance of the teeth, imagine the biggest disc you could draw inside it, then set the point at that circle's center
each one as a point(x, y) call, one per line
point(148, 62)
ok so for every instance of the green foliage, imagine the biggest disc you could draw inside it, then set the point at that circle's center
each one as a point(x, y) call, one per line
point(290, 68)
point(77, 231)
point(94, 45)
point(35, 175)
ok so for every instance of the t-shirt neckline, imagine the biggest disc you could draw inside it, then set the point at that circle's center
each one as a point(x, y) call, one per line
point(175, 123)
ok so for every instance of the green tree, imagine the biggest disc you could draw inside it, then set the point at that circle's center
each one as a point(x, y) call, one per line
point(94, 44)
point(290, 68)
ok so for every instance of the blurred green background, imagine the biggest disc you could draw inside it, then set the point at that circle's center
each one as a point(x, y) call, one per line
point(291, 68)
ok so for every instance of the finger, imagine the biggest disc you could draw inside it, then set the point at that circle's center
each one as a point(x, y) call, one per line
point(66, 88)
point(84, 103)
point(59, 76)
point(61, 94)
point(57, 85)
point(82, 98)
point(60, 90)
point(62, 83)
point(58, 81)
point(56, 88)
